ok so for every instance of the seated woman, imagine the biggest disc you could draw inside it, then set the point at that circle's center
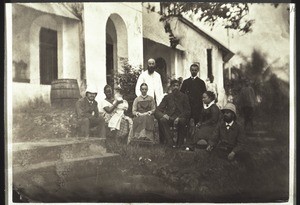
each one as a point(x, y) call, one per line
point(143, 128)
point(112, 109)
point(209, 119)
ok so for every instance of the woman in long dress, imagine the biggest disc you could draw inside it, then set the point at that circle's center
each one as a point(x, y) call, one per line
point(208, 120)
point(143, 124)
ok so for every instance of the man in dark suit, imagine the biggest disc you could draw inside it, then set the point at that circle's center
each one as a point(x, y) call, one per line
point(194, 87)
point(88, 114)
point(173, 111)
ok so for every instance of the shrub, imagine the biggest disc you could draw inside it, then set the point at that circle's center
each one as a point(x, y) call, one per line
point(126, 81)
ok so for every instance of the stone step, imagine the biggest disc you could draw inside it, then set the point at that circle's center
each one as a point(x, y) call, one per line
point(52, 150)
point(37, 180)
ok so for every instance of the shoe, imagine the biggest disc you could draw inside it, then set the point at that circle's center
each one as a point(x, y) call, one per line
point(175, 146)
point(188, 149)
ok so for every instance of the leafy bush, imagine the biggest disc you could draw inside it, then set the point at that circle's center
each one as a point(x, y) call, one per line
point(126, 81)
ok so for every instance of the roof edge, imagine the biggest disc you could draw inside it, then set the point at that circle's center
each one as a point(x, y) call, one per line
point(227, 55)
point(71, 15)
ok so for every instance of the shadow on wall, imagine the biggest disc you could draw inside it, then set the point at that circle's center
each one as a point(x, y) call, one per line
point(20, 72)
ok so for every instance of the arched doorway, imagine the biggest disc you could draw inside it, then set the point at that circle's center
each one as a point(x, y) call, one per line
point(116, 47)
point(161, 66)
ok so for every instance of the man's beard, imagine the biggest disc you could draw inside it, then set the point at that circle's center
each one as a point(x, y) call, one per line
point(150, 70)
point(175, 91)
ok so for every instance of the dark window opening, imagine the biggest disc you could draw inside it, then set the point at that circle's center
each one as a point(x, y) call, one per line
point(209, 62)
point(48, 56)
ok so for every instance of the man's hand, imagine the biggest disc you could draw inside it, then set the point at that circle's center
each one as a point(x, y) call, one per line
point(209, 148)
point(198, 124)
point(166, 117)
point(231, 156)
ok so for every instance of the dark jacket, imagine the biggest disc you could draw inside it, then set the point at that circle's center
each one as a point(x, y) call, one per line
point(194, 89)
point(174, 105)
point(210, 116)
point(84, 109)
point(234, 138)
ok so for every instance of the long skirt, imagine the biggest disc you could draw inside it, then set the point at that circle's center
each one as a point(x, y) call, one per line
point(203, 132)
point(144, 129)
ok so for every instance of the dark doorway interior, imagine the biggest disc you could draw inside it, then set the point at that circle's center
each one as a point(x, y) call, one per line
point(48, 56)
point(162, 70)
point(110, 64)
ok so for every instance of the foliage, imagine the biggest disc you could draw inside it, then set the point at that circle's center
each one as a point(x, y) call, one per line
point(272, 91)
point(126, 81)
point(232, 15)
point(75, 8)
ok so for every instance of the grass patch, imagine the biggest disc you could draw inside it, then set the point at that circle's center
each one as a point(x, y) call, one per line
point(198, 176)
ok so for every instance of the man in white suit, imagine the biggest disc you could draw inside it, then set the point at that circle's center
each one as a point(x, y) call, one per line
point(153, 80)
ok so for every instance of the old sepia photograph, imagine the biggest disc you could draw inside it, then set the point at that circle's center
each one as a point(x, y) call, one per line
point(150, 102)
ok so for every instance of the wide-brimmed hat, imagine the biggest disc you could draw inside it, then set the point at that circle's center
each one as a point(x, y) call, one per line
point(230, 106)
point(91, 89)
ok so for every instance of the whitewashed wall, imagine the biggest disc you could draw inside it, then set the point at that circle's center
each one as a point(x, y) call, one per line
point(95, 19)
point(26, 26)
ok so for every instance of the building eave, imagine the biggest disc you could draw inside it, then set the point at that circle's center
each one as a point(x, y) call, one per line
point(51, 8)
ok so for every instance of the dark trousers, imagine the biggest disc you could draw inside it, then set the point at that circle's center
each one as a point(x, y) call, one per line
point(85, 124)
point(167, 136)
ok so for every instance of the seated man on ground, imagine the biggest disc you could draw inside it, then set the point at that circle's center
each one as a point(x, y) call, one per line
point(143, 124)
point(88, 114)
point(112, 109)
point(228, 138)
point(173, 111)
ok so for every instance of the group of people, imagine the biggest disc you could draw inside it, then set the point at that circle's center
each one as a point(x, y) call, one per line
point(189, 111)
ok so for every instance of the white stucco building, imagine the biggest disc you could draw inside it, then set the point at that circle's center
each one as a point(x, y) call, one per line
point(46, 34)
point(45, 47)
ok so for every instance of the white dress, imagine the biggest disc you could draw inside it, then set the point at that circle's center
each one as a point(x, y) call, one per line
point(115, 120)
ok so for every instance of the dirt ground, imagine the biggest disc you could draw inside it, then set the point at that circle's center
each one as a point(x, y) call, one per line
point(159, 174)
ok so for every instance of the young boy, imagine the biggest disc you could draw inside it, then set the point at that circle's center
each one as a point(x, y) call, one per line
point(228, 137)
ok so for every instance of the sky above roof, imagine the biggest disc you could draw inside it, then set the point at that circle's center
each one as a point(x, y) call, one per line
point(270, 35)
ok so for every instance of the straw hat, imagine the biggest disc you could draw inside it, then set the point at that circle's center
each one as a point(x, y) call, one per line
point(91, 89)
point(230, 106)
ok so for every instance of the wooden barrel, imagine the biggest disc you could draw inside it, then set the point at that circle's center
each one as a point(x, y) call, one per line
point(64, 92)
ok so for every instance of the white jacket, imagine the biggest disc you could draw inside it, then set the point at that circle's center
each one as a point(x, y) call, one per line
point(154, 83)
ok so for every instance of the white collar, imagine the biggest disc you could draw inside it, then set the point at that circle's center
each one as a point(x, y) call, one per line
point(90, 101)
point(210, 104)
point(194, 77)
point(230, 124)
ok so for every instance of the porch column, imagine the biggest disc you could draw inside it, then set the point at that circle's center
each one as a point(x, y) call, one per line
point(95, 47)
point(70, 47)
